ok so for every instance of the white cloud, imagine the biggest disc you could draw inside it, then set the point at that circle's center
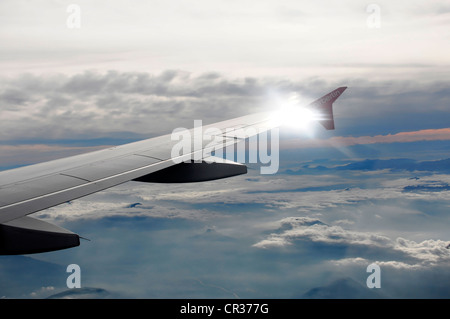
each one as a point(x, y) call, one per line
point(422, 254)
point(428, 251)
point(363, 262)
point(94, 209)
point(316, 231)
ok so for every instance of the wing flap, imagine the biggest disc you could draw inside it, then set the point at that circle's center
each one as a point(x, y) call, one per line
point(100, 170)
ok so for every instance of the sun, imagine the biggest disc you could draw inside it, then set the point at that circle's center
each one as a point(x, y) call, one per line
point(293, 115)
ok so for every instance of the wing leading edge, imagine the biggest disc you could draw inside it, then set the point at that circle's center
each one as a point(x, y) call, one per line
point(33, 188)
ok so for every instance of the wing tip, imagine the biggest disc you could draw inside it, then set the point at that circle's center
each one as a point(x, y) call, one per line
point(325, 105)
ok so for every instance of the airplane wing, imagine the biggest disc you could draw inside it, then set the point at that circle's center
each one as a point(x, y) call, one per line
point(29, 189)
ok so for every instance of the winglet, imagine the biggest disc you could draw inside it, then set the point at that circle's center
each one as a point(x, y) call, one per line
point(325, 107)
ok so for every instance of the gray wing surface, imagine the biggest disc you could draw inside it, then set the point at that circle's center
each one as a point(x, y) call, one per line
point(33, 188)
point(29, 189)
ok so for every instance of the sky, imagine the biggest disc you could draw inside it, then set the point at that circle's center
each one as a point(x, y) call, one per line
point(80, 76)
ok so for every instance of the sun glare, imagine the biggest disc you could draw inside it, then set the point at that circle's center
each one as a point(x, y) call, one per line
point(294, 116)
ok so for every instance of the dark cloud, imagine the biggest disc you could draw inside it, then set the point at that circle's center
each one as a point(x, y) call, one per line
point(92, 103)
point(12, 98)
point(96, 104)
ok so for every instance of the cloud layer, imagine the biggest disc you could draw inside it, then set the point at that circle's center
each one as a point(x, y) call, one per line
point(122, 106)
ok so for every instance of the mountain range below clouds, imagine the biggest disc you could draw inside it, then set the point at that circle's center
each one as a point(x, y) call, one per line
point(344, 288)
point(431, 186)
point(83, 293)
point(397, 164)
